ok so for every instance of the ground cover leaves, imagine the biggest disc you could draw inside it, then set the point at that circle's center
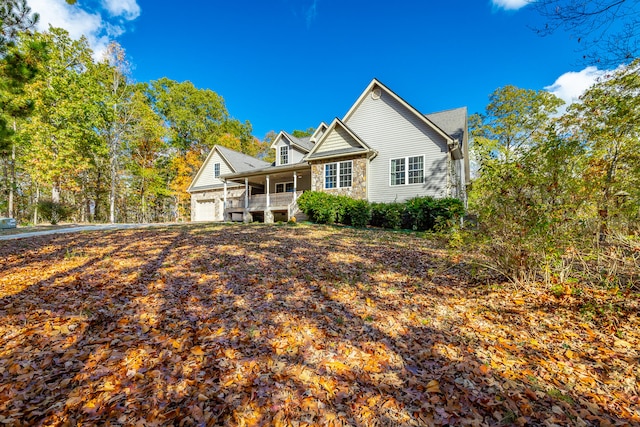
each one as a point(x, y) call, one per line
point(305, 325)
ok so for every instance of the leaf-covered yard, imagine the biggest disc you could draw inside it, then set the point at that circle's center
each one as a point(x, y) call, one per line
point(305, 325)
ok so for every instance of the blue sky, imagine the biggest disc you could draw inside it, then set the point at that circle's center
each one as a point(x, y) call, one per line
point(289, 64)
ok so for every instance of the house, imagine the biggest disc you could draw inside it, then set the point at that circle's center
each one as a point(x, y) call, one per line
point(381, 150)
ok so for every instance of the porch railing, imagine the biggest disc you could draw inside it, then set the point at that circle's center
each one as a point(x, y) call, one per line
point(259, 201)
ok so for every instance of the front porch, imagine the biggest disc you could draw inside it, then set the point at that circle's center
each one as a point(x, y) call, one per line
point(267, 197)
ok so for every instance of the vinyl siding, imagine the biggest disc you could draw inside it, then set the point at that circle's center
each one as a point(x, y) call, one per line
point(295, 156)
point(337, 140)
point(394, 132)
point(206, 177)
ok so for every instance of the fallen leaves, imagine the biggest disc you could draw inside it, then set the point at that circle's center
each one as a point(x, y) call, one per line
point(267, 325)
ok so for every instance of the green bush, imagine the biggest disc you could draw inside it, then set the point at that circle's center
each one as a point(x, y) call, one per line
point(387, 215)
point(53, 212)
point(419, 213)
point(319, 207)
point(357, 213)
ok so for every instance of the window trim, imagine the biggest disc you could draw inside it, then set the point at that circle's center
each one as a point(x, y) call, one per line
point(216, 170)
point(406, 170)
point(284, 149)
point(284, 187)
point(338, 174)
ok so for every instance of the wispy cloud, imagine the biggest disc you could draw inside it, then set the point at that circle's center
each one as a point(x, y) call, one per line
point(127, 9)
point(571, 85)
point(312, 12)
point(99, 24)
point(510, 4)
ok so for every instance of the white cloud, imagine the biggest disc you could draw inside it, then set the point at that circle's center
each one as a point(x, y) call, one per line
point(312, 12)
point(98, 30)
point(128, 9)
point(571, 85)
point(510, 4)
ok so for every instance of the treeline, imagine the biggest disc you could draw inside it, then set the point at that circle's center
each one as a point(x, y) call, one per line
point(80, 141)
point(558, 195)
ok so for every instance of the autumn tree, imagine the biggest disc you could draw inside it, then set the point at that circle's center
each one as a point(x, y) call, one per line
point(18, 66)
point(197, 119)
point(60, 133)
point(112, 78)
point(518, 152)
point(145, 144)
point(606, 122)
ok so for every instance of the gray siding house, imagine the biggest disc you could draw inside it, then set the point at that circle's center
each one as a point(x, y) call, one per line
point(382, 150)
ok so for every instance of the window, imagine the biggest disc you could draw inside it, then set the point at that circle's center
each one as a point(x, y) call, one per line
point(284, 187)
point(397, 172)
point(330, 170)
point(416, 170)
point(284, 155)
point(345, 174)
point(338, 174)
point(216, 170)
point(407, 170)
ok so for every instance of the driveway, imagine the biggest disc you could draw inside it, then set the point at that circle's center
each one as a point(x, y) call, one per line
point(16, 234)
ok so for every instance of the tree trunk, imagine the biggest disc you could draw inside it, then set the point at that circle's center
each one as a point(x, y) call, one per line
point(12, 185)
point(35, 209)
point(112, 193)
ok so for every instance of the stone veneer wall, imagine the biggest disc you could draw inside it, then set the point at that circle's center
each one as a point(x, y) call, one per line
point(217, 195)
point(358, 189)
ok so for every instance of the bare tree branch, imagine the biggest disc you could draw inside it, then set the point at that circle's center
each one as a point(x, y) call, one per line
point(607, 31)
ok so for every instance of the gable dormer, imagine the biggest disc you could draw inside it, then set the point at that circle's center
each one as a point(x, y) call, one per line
point(289, 149)
point(322, 128)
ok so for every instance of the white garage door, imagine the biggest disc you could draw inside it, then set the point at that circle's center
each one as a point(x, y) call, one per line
point(205, 210)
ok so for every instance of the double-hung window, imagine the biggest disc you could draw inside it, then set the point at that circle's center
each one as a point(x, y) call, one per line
point(407, 170)
point(415, 171)
point(338, 175)
point(216, 170)
point(284, 155)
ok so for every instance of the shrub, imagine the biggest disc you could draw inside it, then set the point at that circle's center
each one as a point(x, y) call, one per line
point(53, 211)
point(419, 213)
point(357, 213)
point(428, 213)
point(319, 207)
point(387, 215)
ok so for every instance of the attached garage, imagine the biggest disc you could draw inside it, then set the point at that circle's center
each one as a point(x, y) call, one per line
point(205, 210)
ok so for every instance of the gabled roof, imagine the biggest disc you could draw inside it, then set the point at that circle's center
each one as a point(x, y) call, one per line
point(240, 162)
point(304, 144)
point(375, 84)
point(237, 162)
point(453, 122)
point(337, 123)
point(321, 129)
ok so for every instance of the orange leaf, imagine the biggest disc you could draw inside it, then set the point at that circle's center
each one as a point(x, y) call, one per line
point(197, 351)
point(433, 386)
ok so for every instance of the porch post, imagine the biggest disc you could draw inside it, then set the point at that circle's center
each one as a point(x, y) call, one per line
point(268, 198)
point(295, 185)
point(225, 194)
point(268, 215)
point(246, 216)
point(246, 193)
point(224, 203)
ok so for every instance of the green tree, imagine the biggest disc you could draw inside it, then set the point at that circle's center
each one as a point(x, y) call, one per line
point(606, 122)
point(302, 133)
point(114, 100)
point(145, 144)
point(60, 133)
point(522, 162)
